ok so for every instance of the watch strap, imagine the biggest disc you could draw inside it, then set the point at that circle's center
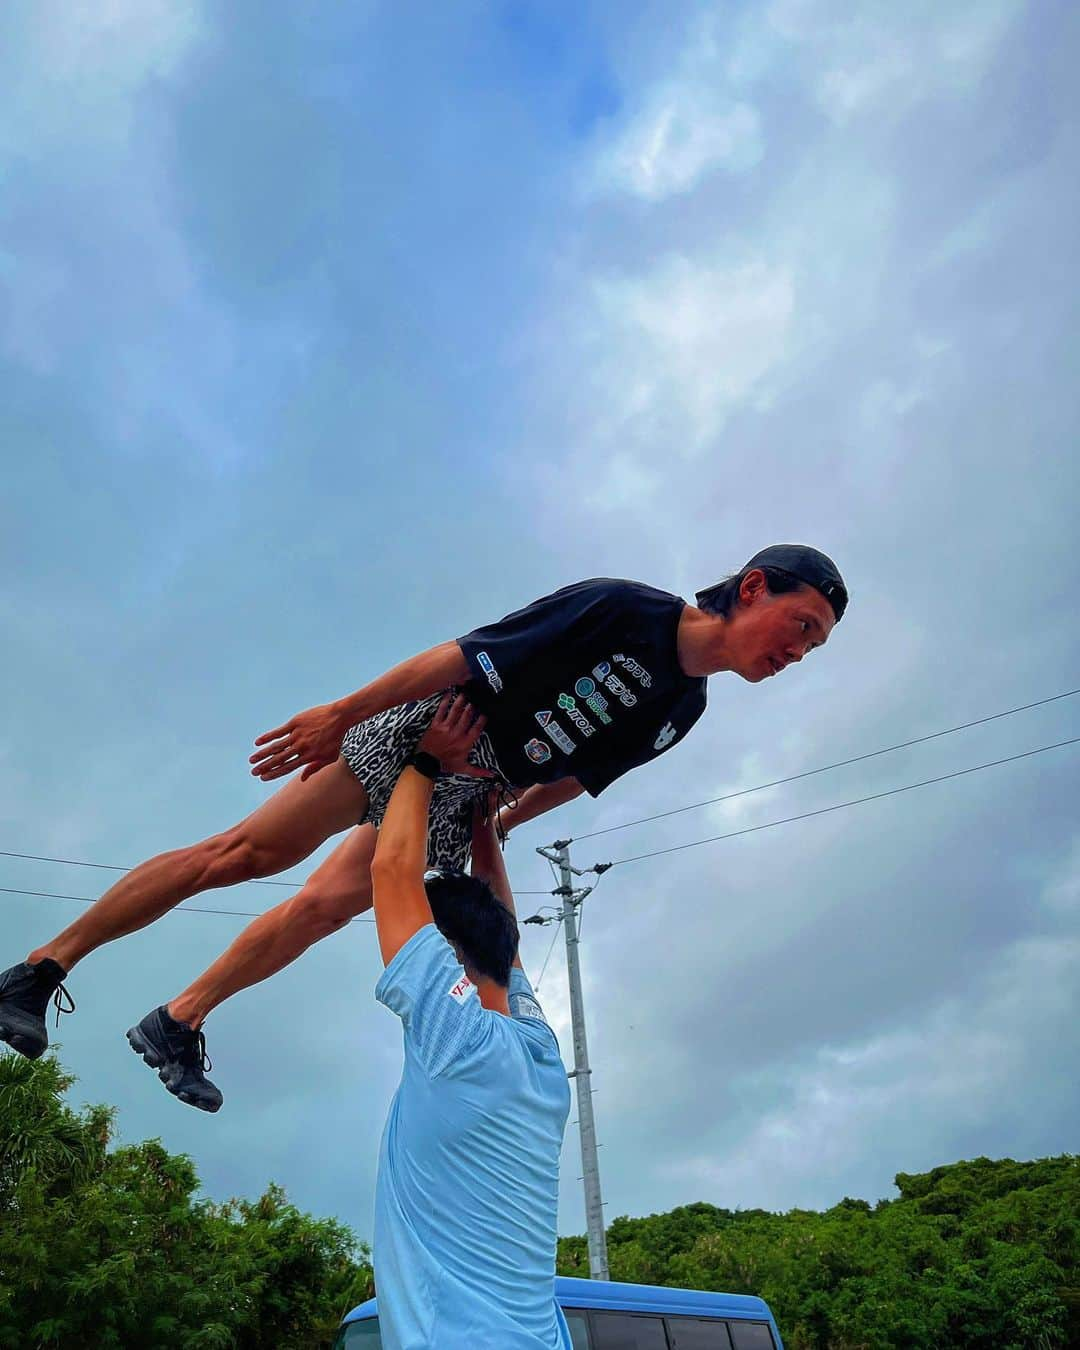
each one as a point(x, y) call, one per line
point(426, 764)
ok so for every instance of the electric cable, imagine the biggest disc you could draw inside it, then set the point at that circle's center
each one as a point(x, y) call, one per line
point(855, 801)
point(825, 768)
point(182, 907)
point(547, 958)
point(644, 820)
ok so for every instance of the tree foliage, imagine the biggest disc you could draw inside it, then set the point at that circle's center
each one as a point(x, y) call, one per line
point(110, 1247)
point(981, 1255)
point(105, 1247)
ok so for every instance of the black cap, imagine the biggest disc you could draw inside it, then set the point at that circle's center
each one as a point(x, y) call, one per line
point(807, 564)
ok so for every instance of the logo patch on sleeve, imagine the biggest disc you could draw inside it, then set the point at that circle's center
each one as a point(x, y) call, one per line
point(490, 673)
point(521, 1005)
point(461, 990)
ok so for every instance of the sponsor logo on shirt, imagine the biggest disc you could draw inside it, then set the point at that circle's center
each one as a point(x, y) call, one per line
point(570, 707)
point(621, 691)
point(634, 668)
point(601, 672)
point(461, 990)
point(598, 704)
point(490, 673)
point(666, 736)
point(521, 1005)
point(538, 751)
point(561, 739)
point(586, 689)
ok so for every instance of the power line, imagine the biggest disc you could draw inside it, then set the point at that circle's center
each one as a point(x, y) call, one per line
point(855, 801)
point(825, 768)
point(181, 908)
point(644, 820)
point(547, 958)
point(113, 867)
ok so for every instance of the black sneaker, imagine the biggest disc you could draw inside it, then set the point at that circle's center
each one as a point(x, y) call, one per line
point(25, 991)
point(179, 1055)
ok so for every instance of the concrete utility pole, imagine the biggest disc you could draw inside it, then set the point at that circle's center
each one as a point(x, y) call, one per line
point(582, 1074)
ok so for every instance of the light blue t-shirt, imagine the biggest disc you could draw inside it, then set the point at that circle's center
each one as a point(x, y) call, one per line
point(467, 1193)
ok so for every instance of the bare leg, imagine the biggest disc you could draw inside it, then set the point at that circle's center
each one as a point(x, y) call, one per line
point(282, 832)
point(338, 890)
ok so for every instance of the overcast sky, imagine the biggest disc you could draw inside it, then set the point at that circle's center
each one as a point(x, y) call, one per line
point(330, 332)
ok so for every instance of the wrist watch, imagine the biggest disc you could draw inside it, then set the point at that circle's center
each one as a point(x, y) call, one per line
point(426, 764)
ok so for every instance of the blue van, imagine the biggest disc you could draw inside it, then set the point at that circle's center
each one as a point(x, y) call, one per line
point(604, 1315)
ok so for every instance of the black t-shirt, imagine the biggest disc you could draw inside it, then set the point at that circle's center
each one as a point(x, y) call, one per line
point(585, 683)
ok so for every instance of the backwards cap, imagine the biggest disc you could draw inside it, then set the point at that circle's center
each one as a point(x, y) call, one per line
point(806, 564)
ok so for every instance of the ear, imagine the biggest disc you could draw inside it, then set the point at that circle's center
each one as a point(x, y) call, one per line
point(752, 587)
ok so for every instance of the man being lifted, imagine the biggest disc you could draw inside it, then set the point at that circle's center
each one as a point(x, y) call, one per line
point(578, 688)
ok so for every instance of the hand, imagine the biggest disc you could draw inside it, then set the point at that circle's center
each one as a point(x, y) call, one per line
point(453, 732)
point(312, 739)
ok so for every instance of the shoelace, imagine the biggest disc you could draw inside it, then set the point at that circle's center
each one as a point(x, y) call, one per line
point(195, 1055)
point(59, 994)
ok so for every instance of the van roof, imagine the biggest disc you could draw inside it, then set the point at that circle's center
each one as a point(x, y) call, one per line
point(572, 1293)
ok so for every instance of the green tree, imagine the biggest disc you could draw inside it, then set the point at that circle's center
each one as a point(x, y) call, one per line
point(980, 1255)
point(104, 1247)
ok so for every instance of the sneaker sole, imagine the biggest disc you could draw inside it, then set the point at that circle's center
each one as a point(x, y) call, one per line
point(149, 1055)
point(24, 1045)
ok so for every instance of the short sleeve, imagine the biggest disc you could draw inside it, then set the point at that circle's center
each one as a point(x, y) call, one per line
point(438, 1004)
point(665, 733)
point(594, 778)
point(524, 1005)
point(590, 611)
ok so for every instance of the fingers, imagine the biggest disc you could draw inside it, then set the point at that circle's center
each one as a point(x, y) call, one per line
point(272, 757)
point(278, 768)
point(274, 735)
point(461, 718)
point(269, 751)
point(456, 716)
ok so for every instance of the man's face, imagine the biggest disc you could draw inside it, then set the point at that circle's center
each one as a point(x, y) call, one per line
point(768, 632)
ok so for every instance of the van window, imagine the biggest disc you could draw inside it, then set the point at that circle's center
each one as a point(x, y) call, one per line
point(751, 1336)
point(578, 1323)
point(359, 1336)
point(625, 1331)
point(696, 1333)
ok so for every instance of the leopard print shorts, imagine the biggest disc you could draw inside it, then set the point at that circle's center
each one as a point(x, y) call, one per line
point(376, 751)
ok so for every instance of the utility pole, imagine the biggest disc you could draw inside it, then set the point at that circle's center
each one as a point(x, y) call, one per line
point(582, 1074)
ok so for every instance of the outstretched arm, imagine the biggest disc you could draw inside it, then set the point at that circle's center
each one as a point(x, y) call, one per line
point(536, 800)
point(488, 865)
point(312, 739)
point(397, 869)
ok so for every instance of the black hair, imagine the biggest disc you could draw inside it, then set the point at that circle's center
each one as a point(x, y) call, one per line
point(471, 917)
point(722, 598)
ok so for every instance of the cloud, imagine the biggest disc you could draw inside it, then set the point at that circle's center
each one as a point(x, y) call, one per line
point(884, 59)
point(682, 127)
point(76, 72)
point(955, 1071)
point(682, 345)
point(359, 269)
point(685, 132)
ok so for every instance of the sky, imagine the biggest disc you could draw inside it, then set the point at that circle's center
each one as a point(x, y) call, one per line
point(331, 332)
